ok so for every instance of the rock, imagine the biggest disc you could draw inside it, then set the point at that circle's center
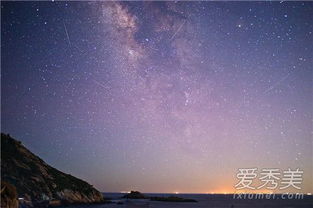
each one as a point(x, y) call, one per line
point(135, 195)
point(37, 181)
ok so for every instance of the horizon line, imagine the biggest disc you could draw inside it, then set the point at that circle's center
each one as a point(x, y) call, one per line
point(211, 193)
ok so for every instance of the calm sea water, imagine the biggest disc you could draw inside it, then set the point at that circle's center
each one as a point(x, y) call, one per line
point(206, 201)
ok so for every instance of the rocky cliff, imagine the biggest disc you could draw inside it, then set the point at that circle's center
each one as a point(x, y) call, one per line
point(36, 181)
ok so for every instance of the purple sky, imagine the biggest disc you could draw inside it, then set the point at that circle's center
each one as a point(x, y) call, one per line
point(160, 97)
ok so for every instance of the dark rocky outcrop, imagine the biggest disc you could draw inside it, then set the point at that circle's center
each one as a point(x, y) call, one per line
point(37, 181)
point(138, 195)
point(135, 195)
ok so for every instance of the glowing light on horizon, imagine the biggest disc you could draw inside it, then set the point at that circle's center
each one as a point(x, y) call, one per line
point(148, 96)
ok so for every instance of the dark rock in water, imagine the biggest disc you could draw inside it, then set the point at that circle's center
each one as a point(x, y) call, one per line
point(171, 199)
point(8, 195)
point(135, 195)
point(138, 195)
point(36, 181)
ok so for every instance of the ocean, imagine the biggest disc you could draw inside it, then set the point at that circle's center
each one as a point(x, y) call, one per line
point(205, 201)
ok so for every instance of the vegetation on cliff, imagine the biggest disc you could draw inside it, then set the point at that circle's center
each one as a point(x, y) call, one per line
point(8, 195)
point(35, 180)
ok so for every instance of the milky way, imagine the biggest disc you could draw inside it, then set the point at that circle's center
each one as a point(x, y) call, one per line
point(160, 96)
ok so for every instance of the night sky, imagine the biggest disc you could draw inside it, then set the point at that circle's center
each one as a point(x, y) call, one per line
point(162, 96)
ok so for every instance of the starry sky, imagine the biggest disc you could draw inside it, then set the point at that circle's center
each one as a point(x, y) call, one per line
point(160, 96)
